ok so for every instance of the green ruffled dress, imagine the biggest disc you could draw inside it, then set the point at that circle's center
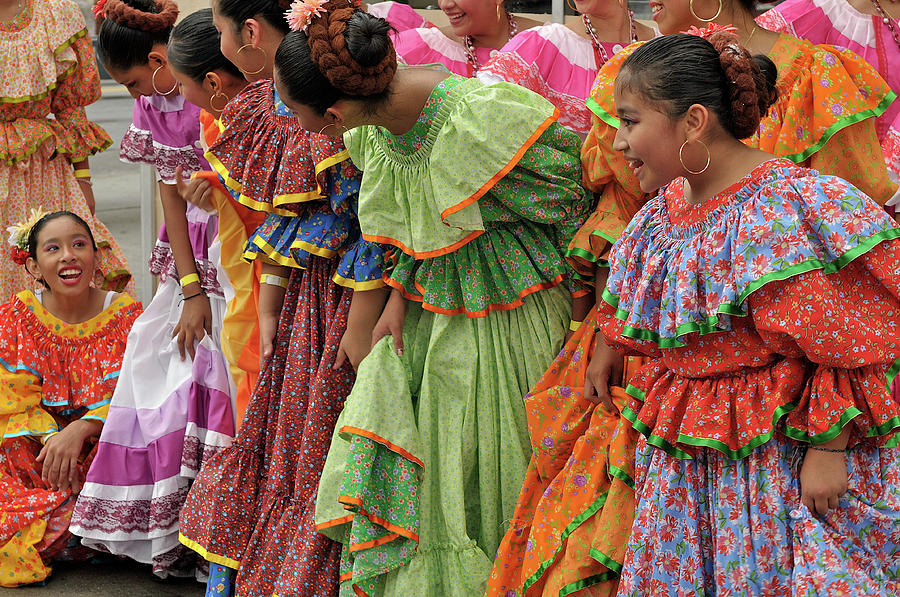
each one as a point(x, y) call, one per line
point(479, 201)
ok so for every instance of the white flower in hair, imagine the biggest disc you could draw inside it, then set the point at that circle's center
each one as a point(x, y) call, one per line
point(301, 13)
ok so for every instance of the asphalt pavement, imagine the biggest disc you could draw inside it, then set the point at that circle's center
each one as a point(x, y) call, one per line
point(117, 194)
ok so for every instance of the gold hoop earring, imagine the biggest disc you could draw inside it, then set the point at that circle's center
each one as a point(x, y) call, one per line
point(332, 124)
point(681, 157)
point(715, 16)
point(212, 100)
point(156, 89)
point(571, 5)
point(260, 69)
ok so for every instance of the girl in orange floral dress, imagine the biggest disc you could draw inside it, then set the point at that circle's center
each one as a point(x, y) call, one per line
point(60, 353)
point(48, 74)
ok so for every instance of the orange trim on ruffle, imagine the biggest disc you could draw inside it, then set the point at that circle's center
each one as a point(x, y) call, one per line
point(426, 254)
point(505, 169)
point(377, 438)
point(397, 531)
point(475, 314)
point(333, 523)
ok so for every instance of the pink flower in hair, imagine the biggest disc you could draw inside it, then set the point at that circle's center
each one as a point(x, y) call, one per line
point(713, 28)
point(99, 9)
point(301, 13)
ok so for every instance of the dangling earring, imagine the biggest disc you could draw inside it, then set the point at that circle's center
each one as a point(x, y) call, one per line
point(571, 5)
point(212, 100)
point(260, 69)
point(715, 16)
point(156, 89)
point(681, 157)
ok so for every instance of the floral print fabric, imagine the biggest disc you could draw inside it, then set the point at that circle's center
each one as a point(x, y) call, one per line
point(748, 533)
point(53, 373)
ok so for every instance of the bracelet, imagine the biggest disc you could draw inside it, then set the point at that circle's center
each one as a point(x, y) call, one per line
point(187, 298)
point(82, 173)
point(830, 450)
point(273, 280)
point(574, 326)
point(190, 278)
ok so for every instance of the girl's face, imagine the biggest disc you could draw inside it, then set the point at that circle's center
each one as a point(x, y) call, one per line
point(138, 80)
point(196, 92)
point(230, 41)
point(472, 17)
point(674, 16)
point(66, 259)
point(649, 140)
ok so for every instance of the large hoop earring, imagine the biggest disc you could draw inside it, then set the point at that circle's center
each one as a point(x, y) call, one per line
point(571, 5)
point(332, 124)
point(260, 69)
point(681, 157)
point(212, 101)
point(156, 89)
point(715, 16)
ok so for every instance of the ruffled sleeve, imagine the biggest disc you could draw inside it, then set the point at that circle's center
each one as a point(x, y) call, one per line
point(605, 173)
point(824, 118)
point(165, 133)
point(76, 136)
point(401, 16)
point(323, 228)
point(847, 324)
point(262, 153)
point(479, 239)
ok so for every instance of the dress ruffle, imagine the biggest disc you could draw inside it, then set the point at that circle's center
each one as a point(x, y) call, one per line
point(56, 25)
point(555, 62)
point(61, 79)
point(164, 139)
point(41, 363)
point(265, 157)
point(780, 220)
point(520, 201)
point(323, 229)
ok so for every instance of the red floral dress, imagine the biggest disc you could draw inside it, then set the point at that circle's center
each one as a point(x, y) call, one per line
point(52, 373)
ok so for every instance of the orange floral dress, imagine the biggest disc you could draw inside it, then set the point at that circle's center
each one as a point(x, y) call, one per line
point(48, 74)
point(562, 539)
point(52, 373)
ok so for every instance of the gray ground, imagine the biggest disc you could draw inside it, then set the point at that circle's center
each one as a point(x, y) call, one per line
point(116, 189)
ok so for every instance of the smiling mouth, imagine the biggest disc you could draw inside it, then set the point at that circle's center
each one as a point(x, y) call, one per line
point(455, 17)
point(70, 275)
point(655, 8)
point(635, 165)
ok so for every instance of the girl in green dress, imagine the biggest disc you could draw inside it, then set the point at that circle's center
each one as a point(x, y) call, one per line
point(476, 190)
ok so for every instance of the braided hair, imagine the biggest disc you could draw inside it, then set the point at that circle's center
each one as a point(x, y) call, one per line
point(345, 53)
point(677, 71)
point(131, 28)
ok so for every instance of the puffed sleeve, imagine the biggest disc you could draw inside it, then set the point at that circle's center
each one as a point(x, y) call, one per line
point(847, 325)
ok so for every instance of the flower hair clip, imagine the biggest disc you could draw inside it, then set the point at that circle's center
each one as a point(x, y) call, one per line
point(18, 236)
point(99, 9)
point(713, 28)
point(302, 12)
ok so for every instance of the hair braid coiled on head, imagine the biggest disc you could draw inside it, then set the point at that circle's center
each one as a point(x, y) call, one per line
point(352, 49)
point(134, 18)
point(750, 93)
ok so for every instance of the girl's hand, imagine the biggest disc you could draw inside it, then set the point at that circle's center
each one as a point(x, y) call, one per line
point(355, 345)
point(604, 369)
point(197, 190)
point(195, 322)
point(823, 480)
point(88, 191)
point(268, 325)
point(391, 322)
point(60, 453)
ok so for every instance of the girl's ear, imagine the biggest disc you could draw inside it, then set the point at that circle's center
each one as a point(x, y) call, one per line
point(31, 266)
point(696, 122)
point(212, 82)
point(251, 33)
point(157, 56)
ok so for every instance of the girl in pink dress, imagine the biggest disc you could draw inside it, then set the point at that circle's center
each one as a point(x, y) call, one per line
point(869, 28)
point(560, 62)
point(477, 29)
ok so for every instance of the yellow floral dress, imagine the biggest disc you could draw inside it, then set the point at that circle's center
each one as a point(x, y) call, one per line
point(48, 74)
